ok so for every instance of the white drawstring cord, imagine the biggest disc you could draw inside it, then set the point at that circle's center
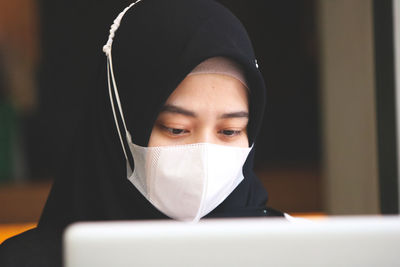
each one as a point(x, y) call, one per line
point(116, 94)
point(114, 28)
point(113, 110)
point(107, 51)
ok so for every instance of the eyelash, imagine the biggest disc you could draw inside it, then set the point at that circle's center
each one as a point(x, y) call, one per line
point(232, 133)
point(178, 132)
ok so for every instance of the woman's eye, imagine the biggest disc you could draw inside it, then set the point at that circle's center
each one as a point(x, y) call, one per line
point(230, 132)
point(175, 131)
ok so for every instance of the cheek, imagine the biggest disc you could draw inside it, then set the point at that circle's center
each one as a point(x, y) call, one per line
point(161, 137)
point(156, 138)
point(243, 141)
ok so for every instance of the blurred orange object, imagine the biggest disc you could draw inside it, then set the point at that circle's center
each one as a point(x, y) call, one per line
point(314, 216)
point(9, 230)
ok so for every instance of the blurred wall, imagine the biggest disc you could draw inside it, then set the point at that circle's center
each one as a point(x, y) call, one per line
point(348, 107)
point(396, 15)
point(19, 55)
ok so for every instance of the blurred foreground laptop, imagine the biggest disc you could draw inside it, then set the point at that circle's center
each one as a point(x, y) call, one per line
point(351, 241)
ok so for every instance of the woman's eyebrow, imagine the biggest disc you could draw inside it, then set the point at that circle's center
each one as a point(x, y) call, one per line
point(178, 110)
point(238, 114)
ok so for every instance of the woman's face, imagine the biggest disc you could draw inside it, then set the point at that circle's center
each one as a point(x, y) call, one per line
point(204, 108)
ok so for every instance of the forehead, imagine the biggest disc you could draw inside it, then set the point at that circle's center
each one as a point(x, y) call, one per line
point(210, 92)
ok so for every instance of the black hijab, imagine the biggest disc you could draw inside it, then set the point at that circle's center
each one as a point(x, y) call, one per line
point(157, 44)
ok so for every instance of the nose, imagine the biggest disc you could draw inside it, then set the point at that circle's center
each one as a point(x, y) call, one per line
point(205, 135)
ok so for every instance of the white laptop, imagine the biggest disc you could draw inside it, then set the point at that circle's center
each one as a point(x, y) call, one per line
point(345, 241)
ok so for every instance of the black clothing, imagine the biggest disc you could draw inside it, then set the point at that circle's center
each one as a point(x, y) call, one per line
point(36, 247)
point(158, 43)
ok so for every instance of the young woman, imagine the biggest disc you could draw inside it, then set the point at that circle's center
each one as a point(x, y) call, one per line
point(169, 132)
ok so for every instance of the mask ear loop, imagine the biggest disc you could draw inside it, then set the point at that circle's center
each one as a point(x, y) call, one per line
point(113, 109)
point(107, 51)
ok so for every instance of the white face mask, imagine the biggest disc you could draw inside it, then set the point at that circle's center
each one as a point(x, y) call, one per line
point(186, 182)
